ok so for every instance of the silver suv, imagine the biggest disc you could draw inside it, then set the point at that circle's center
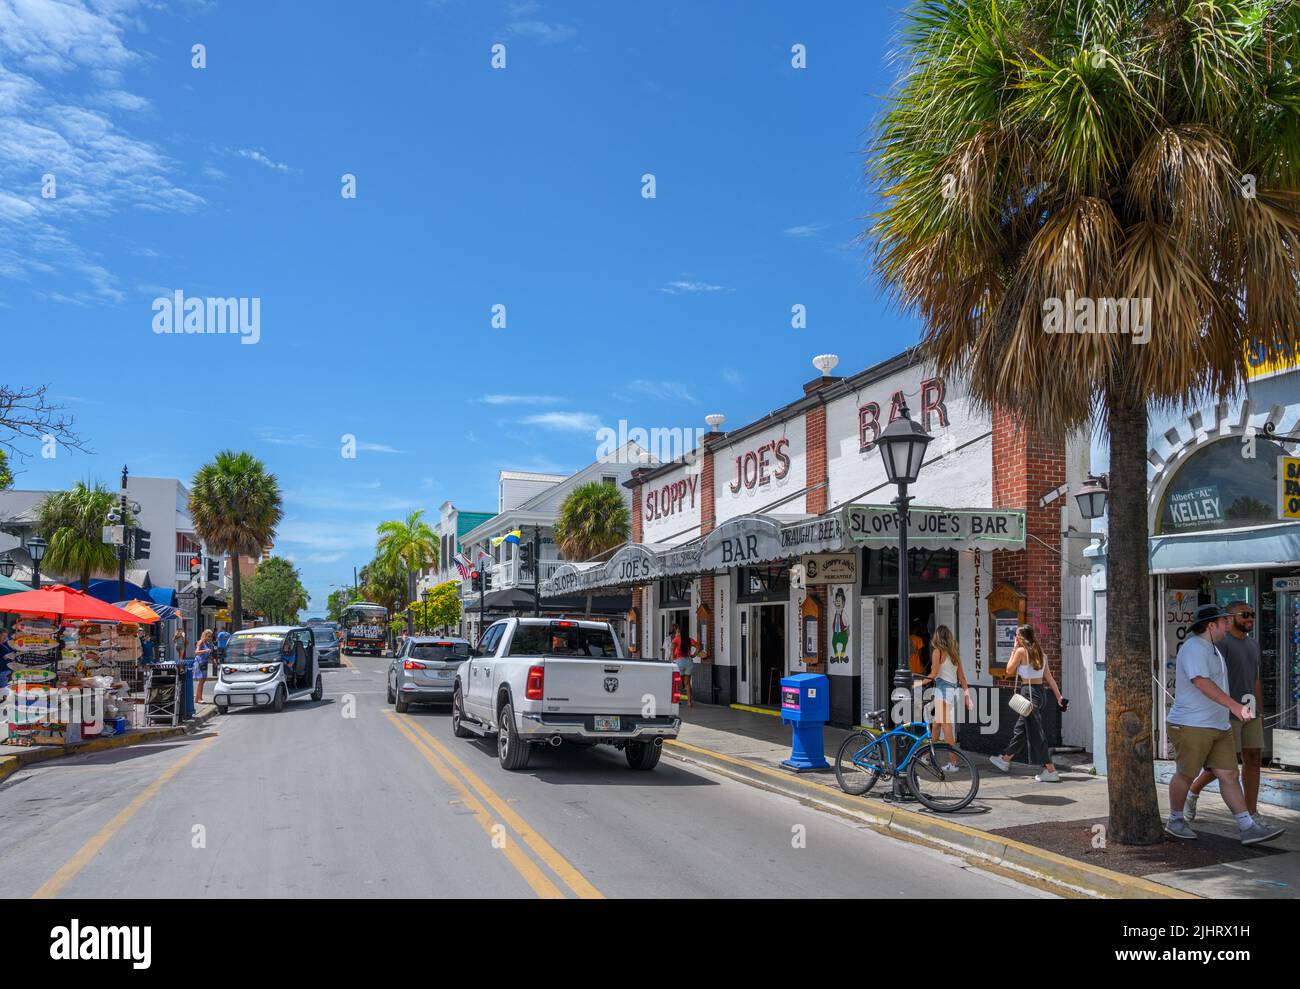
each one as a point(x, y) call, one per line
point(424, 670)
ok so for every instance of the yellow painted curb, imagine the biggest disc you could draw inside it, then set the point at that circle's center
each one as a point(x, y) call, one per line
point(754, 710)
point(961, 838)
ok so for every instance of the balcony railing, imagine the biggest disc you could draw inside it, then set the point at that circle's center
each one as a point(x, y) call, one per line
point(183, 563)
point(507, 574)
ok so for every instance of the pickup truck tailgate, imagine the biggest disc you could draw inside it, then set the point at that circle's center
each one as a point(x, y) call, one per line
point(607, 686)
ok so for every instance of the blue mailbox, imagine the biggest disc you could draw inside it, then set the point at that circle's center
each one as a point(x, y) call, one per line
point(806, 707)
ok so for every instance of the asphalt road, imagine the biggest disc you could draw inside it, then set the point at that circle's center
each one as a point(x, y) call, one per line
point(345, 798)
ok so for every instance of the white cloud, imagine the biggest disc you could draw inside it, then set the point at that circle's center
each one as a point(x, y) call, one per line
point(261, 158)
point(520, 399)
point(62, 75)
point(549, 34)
point(684, 287)
point(668, 390)
point(576, 422)
point(731, 376)
point(326, 535)
point(376, 447)
point(806, 230)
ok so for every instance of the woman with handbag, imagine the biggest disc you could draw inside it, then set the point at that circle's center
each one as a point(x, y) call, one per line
point(1029, 666)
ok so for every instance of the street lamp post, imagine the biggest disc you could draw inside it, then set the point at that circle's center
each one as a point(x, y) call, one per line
point(36, 550)
point(424, 615)
point(1092, 496)
point(902, 447)
point(7, 565)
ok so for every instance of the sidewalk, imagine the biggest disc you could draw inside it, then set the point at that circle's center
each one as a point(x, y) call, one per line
point(1057, 823)
point(15, 757)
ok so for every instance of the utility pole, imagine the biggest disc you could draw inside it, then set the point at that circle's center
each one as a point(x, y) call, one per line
point(123, 548)
point(537, 571)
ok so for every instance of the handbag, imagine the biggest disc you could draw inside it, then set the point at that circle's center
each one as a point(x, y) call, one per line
point(1021, 704)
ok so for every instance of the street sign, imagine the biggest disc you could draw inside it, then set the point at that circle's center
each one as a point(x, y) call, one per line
point(114, 535)
point(1288, 488)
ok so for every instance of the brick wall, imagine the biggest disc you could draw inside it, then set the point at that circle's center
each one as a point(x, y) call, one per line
point(815, 431)
point(1026, 466)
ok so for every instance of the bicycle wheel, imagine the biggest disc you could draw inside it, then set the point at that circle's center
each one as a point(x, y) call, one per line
point(861, 761)
point(942, 777)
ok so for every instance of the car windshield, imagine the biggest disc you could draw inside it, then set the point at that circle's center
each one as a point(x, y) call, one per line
point(255, 647)
point(439, 652)
point(563, 639)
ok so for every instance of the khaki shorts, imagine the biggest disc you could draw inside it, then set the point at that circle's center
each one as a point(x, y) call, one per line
point(1247, 734)
point(1202, 748)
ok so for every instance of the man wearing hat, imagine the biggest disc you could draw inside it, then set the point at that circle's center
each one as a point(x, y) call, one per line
point(1199, 729)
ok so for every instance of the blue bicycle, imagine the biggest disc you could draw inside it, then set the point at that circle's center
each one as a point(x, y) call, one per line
point(941, 776)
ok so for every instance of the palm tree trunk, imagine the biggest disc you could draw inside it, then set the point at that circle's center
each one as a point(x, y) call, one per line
point(237, 600)
point(1134, 812)
point(410, 600)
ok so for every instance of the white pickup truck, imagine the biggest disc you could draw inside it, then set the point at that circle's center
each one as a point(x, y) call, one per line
point(542, 681)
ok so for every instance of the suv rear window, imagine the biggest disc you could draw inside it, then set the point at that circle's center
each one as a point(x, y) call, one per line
point(563, 640)
point(439, 652)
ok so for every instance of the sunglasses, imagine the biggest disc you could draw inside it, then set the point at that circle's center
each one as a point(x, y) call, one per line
point(1246, 615)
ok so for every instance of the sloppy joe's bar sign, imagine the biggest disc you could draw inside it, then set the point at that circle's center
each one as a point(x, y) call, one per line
point(762, 465)
point(671, 498)
point(937, 528)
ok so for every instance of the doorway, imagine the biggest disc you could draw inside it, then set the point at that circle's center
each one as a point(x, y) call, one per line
point(768, 663)
point(921, 619)
point(681, 618)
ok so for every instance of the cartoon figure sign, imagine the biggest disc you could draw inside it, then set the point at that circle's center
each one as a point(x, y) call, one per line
point(839, 629)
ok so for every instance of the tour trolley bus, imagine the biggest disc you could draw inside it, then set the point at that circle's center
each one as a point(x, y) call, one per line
point(365, 628)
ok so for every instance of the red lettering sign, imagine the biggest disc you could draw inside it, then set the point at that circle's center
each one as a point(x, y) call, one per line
point(752, 466)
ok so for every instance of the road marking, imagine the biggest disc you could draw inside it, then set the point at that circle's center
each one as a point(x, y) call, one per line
point(574, 879)
point(68, 871)
point(525, 866)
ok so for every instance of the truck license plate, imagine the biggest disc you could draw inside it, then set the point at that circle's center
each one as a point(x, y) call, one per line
point(606, 723)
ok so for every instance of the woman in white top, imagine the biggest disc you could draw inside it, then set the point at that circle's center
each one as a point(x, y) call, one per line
point(1031, 671)
point(947, 673)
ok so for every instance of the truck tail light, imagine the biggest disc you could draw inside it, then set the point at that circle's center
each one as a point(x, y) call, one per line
point(677, 687)
point(412, 664)
point(536, 679)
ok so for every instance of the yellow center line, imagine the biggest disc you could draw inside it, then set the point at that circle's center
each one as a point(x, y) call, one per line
point(68, 871)
point(525, 866)
point(572, 878)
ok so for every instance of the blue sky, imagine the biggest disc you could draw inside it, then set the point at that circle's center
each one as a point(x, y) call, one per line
point(476, 187)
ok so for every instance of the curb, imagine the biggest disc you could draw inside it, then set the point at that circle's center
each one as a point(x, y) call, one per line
point(12, 763)
point(971, 843)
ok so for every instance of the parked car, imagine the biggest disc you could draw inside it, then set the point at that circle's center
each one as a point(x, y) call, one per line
point(424, 670)
point(268, 666)
point(541, 681)
point(328, 647)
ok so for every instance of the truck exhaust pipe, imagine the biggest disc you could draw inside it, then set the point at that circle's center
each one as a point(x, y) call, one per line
point(555, 740)
point(659, 741)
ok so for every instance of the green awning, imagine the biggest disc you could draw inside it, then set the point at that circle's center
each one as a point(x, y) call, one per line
point(10, 586)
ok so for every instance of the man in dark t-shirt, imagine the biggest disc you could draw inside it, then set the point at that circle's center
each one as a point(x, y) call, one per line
point(1241, 655)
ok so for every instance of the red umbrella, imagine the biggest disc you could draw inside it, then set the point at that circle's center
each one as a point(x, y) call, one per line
point(58, 601)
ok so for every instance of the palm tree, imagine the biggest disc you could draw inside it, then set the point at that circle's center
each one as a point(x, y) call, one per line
point(413, 545)
point(1115, 149)
point(72, 522)
point(593, 519)
point(235, 506)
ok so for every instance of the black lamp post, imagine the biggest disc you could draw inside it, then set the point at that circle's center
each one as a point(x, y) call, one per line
point(36, 550)
point(7, 565)
point(902, 446)
point(1092, 497)
point(424, 614)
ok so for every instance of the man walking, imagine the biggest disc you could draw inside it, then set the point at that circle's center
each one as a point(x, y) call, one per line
point(1199, 729)
point(1241, 652)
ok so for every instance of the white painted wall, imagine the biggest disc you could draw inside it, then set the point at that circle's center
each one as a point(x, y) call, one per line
point(678, 518)
point(729, 504)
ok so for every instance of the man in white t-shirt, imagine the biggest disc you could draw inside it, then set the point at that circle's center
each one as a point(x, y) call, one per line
point(1199, 730)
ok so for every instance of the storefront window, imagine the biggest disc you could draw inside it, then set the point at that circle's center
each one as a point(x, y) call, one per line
point(929, 570)
point(763, 584)
point(674, 591)
point(1218, 488)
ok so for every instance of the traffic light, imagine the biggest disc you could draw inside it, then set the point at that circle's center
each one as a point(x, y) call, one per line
point(214, 570)
point(195, 567)
point(526, 556)
point(475, 581)
point(141, 540)
point(487, 580)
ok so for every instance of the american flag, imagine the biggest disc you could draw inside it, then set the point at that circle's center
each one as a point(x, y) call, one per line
point(461, 562)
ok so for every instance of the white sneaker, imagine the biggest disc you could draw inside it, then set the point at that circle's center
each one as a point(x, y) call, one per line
point(1047, 776)
point(1000, 764)
point(1189, 806)
point(952, 768)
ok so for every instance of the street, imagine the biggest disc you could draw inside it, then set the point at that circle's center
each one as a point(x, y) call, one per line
point(313, 802)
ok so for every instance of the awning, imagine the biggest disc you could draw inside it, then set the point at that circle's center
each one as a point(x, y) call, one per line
point(10, 586)
point(748, 540)
point(521, 599)
point(105, 588)
point(163, 595)
point(1240, 549)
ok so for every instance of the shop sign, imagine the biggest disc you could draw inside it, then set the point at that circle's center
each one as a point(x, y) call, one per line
point(1287, 585)
point(742, 542)
point(1288, 488)
point(1194, 507)
point(1004, 642)
point(631, 565)
point(1262, 363)
point(933, 391)
point(669, 499)
point(937, 528)
point(762, 465)
point(814, 536)
point(831, 568)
